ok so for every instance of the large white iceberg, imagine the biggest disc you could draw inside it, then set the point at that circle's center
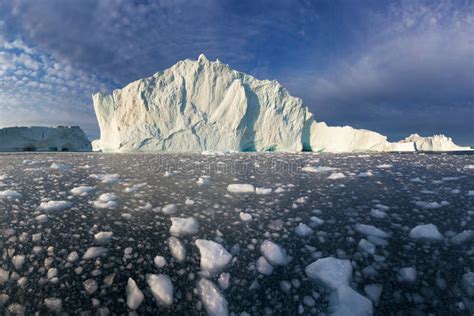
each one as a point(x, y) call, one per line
point(432, 143)
point(39, 138)
point(205, 106)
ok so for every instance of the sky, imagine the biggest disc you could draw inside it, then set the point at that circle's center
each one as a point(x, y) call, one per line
point(395, 67)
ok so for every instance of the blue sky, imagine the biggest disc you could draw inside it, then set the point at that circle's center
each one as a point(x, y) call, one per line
point(396, 67)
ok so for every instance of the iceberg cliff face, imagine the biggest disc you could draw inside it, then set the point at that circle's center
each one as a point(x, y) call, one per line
point(38, 138)
point(199, 105)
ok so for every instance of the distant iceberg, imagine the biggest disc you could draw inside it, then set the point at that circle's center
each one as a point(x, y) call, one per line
point(38, 138)
point(205, 106)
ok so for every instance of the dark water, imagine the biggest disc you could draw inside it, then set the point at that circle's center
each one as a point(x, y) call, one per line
point(405, 183)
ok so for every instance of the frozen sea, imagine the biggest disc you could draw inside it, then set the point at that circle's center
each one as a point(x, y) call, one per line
point(238, 234)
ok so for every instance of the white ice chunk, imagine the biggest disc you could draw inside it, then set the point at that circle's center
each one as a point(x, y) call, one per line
point(246, 217)
point(214, 257)
point(54, 304)
point(428, 233)
point(42, 218)
point(134, 295)
point(263, 191)
point(10, 194)
point(94, 252)
point(184, 226)
point(373, 292)
point(263, 266)
point(241, 188)
point(407, 275)
point(462, 237)
point(317, 169)
point(169, 209)
point(159, 261)
point(106, 200)
point(103, 237)
point(82, 190)
point(212, 299)
point(177, 249)
point(274, 253)
point(367, 246)
point(54, 205)
point(303, 230)
point(336, 176)
point(335, 275)
point(161, 288)
point(18, 261)
point(370, 230)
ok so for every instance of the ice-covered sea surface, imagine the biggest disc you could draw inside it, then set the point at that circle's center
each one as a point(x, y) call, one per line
point(241, 234)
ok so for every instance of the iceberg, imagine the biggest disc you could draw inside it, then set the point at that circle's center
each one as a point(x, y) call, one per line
point(39, 138)
point(205, 106)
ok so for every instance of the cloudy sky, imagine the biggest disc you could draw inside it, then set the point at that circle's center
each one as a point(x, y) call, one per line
point(396, 67)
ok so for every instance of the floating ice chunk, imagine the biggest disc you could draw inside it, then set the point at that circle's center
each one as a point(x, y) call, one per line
point(59, 166)
point(470, 193)
point(317, 169)
point(204, 180)
point(10, 194)
point(42, 218)
point(241, 188)
point(54, 304)
point(330, 272)
point(429, 205)
point(384, 166)
point(177, 249)
point(367, 246)
point(316, 220)
point(169, 209)
point(263, 266)
point(54, 205)
point(462, 237)
point(72, 257)
point(90, 286)
point(468, 283)
point(428, 233)
point(159, 261)
point(18, 261)
point(224, 280)
point(336, 176)
point(94, 252)
point(377, 214)
point(184, 226)
point(103, 237)
point(82, 190)
point(134, 295)
point(263, 191)
point(407, 275)
point(212, 299)
point(303, 230)
point(365, 174)
point(371, 231)
point(335, 275)
point(274, 253)
point(214, 257)
point(106, 178)
point(246, 217)
point(469, 167)
point(161, 288)
point(4, 276)
point(373, 292)
point(106, 200)
point(189, 202)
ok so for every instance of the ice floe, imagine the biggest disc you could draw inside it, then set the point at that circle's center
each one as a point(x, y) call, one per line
point(274, 253)
point(212, 299)
point(428, 233)
point(184, 226)
point(214, 257)
point(161, 288)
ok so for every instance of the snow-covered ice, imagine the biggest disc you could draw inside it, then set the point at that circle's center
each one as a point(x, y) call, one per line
point(241, 188)
point(212, 299)
point(214, 257)
point(161, 288)
point(275, 254)
point(54, 205)
point(134, 295)
point(184, 226)
point(428, 232)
